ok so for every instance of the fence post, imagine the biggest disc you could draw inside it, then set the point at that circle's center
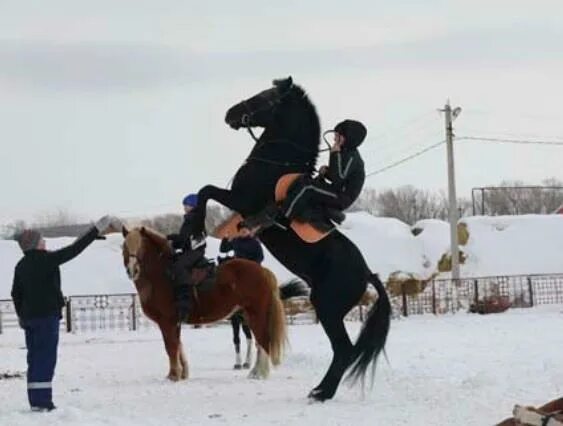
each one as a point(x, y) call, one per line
point(434, 309)
point(476, 292)
point(68, 314)
point(405, 304)
point(530, 291)
point(0, 322)
point(134, 313)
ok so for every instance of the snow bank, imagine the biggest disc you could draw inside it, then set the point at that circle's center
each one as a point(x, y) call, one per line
point(502, 245)
point(512, 245)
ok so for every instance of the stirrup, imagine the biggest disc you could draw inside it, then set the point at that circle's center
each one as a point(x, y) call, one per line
point(270, 216)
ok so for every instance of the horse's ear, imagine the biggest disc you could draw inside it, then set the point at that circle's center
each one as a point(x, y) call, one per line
point(124, 231)
point(283, 84)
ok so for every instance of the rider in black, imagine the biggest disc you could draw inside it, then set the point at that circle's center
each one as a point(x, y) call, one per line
point(345, 174)
point(191, 253)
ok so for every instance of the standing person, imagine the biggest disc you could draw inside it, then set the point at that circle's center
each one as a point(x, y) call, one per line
point(245, 246)
point(38, 300)
point(190, 254)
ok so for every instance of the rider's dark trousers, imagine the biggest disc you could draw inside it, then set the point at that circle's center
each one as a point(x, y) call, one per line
point(310, 192)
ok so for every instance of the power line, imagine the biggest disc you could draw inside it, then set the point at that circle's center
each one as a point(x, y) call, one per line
point(515, 141)
point(404, 160)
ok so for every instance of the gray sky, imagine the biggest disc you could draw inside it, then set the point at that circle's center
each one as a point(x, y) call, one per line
point(118, 106)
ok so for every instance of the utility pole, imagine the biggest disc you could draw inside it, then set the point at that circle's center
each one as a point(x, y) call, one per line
point(454, 248)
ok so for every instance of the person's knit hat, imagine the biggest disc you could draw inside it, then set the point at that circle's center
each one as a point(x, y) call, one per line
point(354, 132)
point(28, 239)
point(190, 200)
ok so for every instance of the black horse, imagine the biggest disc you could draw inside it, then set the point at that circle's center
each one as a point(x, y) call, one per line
point(334, 268)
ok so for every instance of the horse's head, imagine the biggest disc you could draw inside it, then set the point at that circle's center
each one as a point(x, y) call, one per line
point(260, 110)
point(139, 245)
point(284, 111)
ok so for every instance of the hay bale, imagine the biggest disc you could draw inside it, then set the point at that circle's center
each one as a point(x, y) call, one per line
point(462, 233)
point(399, 283)
point(445, 262)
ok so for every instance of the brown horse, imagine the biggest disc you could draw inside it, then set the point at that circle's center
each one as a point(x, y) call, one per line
point(239, 284)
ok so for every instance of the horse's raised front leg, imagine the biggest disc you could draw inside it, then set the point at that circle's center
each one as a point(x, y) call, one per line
point(210, 192)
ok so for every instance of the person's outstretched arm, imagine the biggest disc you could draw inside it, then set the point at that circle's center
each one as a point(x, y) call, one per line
point(67, 253)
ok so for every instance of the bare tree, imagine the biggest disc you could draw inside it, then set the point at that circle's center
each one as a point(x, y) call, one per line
point(515, 197)
point(410, 204)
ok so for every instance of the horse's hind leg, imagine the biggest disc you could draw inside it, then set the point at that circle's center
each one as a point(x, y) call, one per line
point(342, 349)
point(261, 369)
point(171, 335)
point(235, 323)
point(258, 324)
point(248, 334)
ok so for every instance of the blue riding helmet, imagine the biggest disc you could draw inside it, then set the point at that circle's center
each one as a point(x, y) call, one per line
point(190, 200)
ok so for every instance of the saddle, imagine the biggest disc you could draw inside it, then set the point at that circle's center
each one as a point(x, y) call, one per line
point(204, 276)
point(314, 223)
point(311, 227)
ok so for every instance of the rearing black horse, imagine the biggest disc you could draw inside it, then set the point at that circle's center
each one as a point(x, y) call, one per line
point(334, 268)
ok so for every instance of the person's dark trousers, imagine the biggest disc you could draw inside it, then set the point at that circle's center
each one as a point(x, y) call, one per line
point(182, 280)
point(41, 339)
point(309, 192)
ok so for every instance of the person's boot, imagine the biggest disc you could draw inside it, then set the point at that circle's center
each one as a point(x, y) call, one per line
point(183, 298)
point(269, 216)
point(181, 280)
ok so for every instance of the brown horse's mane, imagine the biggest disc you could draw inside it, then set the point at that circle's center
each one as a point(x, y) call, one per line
point(157, 239)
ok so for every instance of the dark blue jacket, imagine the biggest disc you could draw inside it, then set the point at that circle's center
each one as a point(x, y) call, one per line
point(245, 248)
point(180, 241)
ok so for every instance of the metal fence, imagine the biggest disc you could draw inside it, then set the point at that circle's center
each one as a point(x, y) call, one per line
point(448, 296)
point(123, 311)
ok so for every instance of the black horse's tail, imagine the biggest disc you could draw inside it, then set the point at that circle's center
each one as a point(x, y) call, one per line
point(373, 335)
point(293, 288)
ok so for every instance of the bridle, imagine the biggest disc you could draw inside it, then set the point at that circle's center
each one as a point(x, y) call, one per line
point(272, 103)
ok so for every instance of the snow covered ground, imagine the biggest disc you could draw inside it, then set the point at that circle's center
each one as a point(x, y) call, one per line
point(463, 370)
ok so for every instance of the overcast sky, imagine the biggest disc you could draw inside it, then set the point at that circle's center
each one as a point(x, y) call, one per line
point(118, 106)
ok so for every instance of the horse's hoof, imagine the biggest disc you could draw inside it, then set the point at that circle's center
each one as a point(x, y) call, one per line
point(253, 375)
point(318, 395)
point(237, 367)
point(246, 365)
point(173, 378)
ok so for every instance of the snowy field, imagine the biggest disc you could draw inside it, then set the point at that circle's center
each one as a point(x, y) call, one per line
point(463, 370)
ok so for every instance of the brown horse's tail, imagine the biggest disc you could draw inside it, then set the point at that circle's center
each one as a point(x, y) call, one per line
point(276, 320)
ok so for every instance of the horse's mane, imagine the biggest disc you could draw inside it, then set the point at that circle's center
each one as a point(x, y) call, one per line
point(158, 239)
point(309, 113)
point(312, 116)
